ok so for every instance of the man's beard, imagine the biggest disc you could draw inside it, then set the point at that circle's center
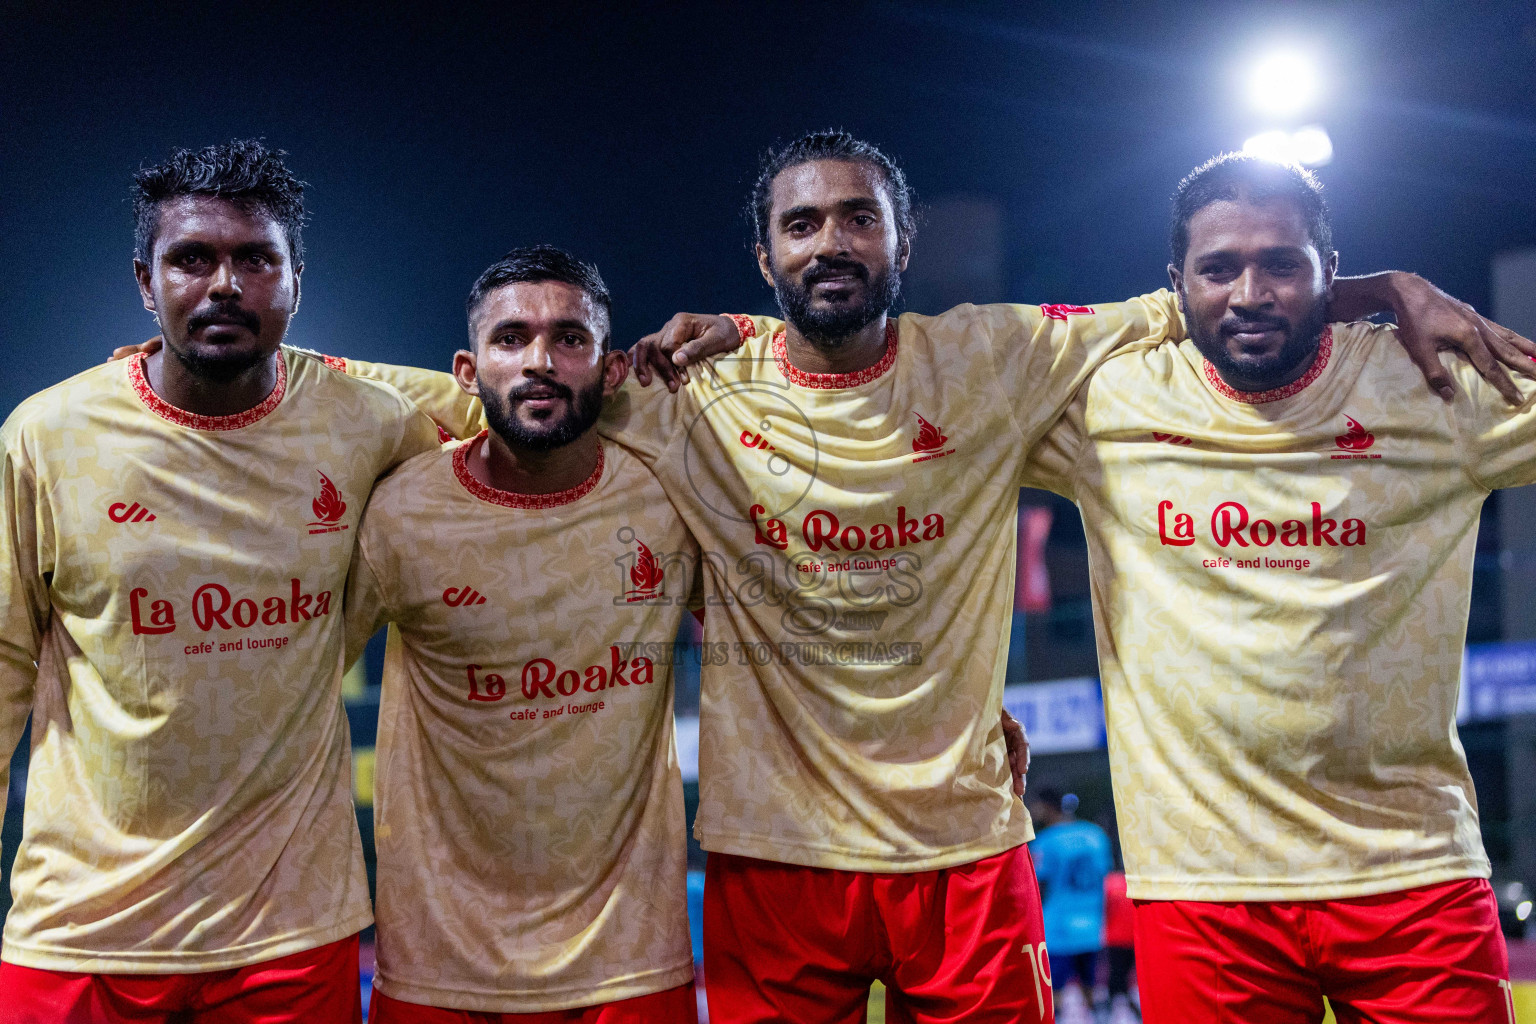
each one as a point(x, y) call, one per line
point(582, 410)
point(214, 363)
point(830, 328)
point(1300, 346)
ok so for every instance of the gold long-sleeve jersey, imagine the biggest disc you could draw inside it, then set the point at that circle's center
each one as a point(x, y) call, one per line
point(528, 803)
point(170, 615)
point(1280, 586)
point(859, 541)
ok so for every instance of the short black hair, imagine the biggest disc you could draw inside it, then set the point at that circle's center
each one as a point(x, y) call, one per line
point(533, 263)
point(1234, 176)
point(243, 172)
point(832, 144)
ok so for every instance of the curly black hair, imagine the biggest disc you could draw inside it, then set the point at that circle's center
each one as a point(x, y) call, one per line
point(533, 263)
point(1233, 176)
point(243, 171)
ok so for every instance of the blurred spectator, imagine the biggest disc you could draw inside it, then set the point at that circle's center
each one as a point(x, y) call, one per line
point(1071, 859)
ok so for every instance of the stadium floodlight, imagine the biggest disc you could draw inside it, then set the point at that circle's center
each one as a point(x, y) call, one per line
point(1283, 83)
point(1309, 146)
point(1523, 911)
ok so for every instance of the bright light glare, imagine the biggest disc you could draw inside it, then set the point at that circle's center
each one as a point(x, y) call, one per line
point(1523, 911)
point(1283, 83)
point(1309, 146)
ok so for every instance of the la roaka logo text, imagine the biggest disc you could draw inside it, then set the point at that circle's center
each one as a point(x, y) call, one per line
point(215, 607)
point(822, 529)
point(1232, 525)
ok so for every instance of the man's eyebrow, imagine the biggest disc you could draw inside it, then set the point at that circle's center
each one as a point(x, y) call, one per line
point(514, 324)
point(1231, 253)
point(844, 205)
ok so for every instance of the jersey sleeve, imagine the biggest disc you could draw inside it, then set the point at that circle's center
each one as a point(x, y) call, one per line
point(1500, 438)
point(1041, 355)
point(457, 414)
point(24, 607)
point(1051, 463)
point(366, 606)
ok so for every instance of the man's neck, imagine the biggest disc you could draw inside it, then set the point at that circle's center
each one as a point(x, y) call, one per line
point(521, 470)
point(859, 351)
point(180, 387)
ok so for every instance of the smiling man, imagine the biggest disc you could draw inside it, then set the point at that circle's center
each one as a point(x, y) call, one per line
point(532, 858)
point(177, 534)
point(1281, 525)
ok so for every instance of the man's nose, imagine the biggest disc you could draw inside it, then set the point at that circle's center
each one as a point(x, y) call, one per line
point(225, 283)
point(1250, 289)
point(831, 240)
point(537, 357)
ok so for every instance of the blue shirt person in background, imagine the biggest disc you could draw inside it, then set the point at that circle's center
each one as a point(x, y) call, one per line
point(1071, 859)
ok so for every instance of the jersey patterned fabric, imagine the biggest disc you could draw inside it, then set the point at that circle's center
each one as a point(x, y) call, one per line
point(177, 580)
point(529, 806)
point(1281, 584)
point(860, 532)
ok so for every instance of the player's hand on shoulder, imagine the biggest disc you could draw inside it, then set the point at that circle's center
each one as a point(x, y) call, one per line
point(1429, 321)
point(1018, 751)
point(149, 347)
point(686, 339)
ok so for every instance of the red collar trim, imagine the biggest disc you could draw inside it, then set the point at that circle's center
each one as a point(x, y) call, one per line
point(1319, 364)
point(512, 499)
point(829, 381)
point(166, 411)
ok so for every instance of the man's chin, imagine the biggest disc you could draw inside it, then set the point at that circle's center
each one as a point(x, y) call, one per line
point(215, 361)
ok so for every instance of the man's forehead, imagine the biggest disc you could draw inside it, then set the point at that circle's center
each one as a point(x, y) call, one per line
point(827, 183)
point(541, 302)
point(210, 215)
point(1268, 222)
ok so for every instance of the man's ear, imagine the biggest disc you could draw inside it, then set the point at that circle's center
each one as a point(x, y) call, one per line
point(1330, 271)
point(146, 280)
point(1176, 278)
point(903, 254)
point(764, 264)
point(297, 271)
point(464, 372)
point(615, 371)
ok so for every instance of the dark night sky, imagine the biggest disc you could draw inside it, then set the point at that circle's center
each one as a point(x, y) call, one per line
point(434, 141)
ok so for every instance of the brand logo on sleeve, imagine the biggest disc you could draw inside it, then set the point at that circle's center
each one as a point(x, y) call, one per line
point(1354, 441)
point(929, 442)
point(328, 508)
point(455, 597)
point(646, 576)
point(1061, 310)
point(119, 512)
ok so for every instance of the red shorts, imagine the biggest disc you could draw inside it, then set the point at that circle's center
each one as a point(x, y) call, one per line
point(673, 1006)
point(1428, 955)
point(317, 986)
point(790, 943)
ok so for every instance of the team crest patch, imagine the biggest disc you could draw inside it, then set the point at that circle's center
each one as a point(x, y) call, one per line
point(929, 442)
point(328, 508)
point(1352, 444)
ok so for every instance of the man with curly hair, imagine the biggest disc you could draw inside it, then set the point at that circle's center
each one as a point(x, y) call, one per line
point(177, 534)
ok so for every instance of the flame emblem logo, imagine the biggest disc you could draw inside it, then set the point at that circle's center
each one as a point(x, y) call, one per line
point(928, 438)
point(328, 506)
point(645, 574)
point(1356, 438)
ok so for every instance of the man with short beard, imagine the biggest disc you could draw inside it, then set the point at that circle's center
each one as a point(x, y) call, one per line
point(529, 807)
point(1281, 527)
point(177, 534)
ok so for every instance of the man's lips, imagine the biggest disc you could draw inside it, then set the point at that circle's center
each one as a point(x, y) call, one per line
point(1249, 333)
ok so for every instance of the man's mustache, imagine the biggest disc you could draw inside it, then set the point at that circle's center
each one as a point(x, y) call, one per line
point(539, 389)
point(1254, 325)
point(834, 268)
point(224, 315)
